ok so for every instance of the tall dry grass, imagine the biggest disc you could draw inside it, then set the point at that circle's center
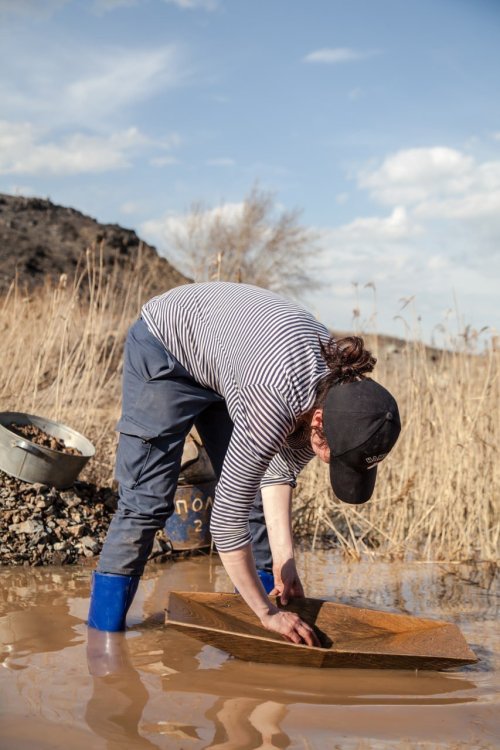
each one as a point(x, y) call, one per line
point(437, 494)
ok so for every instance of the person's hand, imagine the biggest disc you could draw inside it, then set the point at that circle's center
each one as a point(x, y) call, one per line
point(286, 582)
point(290, 626)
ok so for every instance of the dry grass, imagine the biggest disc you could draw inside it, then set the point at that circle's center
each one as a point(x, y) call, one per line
point(437, 494)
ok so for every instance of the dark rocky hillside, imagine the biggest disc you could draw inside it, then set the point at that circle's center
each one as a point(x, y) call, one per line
point(39, 239)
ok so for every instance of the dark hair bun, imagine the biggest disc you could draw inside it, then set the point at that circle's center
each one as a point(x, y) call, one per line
point(347, 359)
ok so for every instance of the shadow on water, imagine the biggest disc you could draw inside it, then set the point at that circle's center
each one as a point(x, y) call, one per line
point(486, 659)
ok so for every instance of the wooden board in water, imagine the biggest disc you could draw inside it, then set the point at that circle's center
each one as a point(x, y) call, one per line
point(350, 636)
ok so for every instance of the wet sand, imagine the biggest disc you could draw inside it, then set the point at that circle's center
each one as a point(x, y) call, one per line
point(155, 688)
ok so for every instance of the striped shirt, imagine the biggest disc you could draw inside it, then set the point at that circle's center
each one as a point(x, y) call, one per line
point(261, 353)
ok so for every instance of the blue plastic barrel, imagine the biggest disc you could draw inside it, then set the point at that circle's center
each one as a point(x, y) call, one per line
point(189, 526)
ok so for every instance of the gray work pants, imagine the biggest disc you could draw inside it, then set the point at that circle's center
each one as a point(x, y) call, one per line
point(161, 402)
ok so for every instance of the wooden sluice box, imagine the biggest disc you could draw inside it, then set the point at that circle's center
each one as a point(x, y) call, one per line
point(350, 636)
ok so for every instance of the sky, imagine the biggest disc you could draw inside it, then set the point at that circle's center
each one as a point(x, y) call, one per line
point(378, 119)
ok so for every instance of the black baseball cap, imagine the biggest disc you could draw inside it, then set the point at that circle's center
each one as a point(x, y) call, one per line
point(361, 424)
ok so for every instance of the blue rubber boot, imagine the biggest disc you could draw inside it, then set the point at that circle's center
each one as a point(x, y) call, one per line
point(267, 580)
point(110, 599)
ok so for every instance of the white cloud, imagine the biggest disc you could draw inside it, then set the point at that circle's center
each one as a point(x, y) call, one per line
point(24, 150)
point(436, 183)
point(354, 249)
point(412, 175)
point(343, 290)
point(373, 262)
point(398, 226)
point(122, 77)
point(375, 249)
point(441, 237)
point(75, 86)
point(437, 262)
point(337, 55)
point(475, 206)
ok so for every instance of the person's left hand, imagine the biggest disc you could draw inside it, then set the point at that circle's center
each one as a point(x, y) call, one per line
point(286, 582)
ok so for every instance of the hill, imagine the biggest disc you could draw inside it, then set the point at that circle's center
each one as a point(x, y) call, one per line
point(39, 238)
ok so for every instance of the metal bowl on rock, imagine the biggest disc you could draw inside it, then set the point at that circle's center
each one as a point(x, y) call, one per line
point(26, 460)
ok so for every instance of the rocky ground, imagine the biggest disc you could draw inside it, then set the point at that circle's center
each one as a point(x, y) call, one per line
point(40, 525)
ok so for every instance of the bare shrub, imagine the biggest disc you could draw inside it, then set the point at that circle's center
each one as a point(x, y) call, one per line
point(249, 242)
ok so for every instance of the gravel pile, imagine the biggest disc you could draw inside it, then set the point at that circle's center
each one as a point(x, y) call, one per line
point(40, 525)
point(39, 437)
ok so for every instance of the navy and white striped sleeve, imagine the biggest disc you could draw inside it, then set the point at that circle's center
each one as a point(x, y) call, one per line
point(286, 465)
point(263, 422)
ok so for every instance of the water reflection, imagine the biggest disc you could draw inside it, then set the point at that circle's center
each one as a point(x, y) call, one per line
point(24, 632)
point(247, 703)
point(248, 724)
point(35, 613)
point(346, 687)
point(119, 696)
point(429, 590)
point(115, 708)
point(155, 688)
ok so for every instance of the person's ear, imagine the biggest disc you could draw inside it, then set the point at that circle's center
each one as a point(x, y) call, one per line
point(317, 419)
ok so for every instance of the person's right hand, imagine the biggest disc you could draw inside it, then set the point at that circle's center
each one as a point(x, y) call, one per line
point(290, 626)
point(287, 583)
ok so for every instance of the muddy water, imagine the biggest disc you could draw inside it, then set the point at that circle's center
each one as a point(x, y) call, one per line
point(154, 688)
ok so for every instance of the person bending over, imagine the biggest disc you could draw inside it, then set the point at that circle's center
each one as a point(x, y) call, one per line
point(268, 389)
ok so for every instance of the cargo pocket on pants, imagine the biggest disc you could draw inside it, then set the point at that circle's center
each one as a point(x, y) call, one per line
point(132, 458)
